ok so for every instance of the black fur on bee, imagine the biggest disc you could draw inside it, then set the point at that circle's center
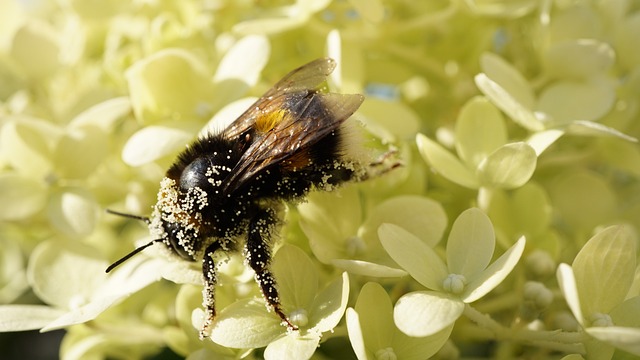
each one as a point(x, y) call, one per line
point(233, 184)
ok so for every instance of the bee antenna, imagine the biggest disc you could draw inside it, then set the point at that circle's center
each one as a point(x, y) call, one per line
point(130, 216)
point(129, 255)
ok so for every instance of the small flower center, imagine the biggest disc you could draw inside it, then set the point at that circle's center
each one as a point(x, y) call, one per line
point(454, 283)
point(299, 317)
point(386, 354)
point(600, 320)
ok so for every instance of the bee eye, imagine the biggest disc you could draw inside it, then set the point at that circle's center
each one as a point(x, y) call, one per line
point(174, 233)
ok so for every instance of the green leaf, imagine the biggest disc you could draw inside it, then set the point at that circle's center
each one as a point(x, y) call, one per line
point(26, 317)
point(471, 243)
point(508, 167)
point(446, 163)
point(604, 269)
point(424, 313)
point(493, 275)
point(413, 255)
point(480, 129)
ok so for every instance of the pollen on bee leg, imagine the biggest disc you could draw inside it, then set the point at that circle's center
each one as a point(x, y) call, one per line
point(208, 292)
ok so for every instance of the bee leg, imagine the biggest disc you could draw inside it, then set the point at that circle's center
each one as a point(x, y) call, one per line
point(258, 254)
point(210, 280)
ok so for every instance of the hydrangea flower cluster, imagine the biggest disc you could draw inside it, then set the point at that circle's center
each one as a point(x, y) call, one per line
point(511, 229)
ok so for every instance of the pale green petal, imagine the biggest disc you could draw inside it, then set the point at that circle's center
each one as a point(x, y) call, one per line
point(471, 243)
point(480, 129)
point(225, 116)
point(64, 275)
point(268, 26)
point(27, 144)
point(541, 140)
point(390, 121)
point(330, 221)
point(413, 255)
point(13, 276)
point(424, 313)
point(419, 215)
point(80, 151)
point(508, 167)
point(518, 112)
point(446, 163)
point(583, 198)
point(418, 348)
point(130, 277)
point(626, 41)
point(26, 317)
point(329, 305)
point(578, 58)
point(590, 128)
point(244, 61)
point(297, 277)
point(73, 211)
point(627, 339)
point(566, 101)
point(152, 143)
point(36, 48)
point(506, 9)
point(356, 337)
point(569, 288)
point(508, 78)
point(377, 331)
point(170, 84)
point(103, 115)
point(20, 196)
point(604, 269)
point(366, 268)
point(246, 324)
point(493, 275)
point(292, 346)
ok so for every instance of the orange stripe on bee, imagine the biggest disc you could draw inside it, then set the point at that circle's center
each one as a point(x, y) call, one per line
point(268, 120)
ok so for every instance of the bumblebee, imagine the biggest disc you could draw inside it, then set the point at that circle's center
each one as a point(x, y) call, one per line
point(232, 186)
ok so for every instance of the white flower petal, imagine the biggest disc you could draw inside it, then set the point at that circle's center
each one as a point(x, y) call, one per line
point(424, 313)
point(493, 275)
